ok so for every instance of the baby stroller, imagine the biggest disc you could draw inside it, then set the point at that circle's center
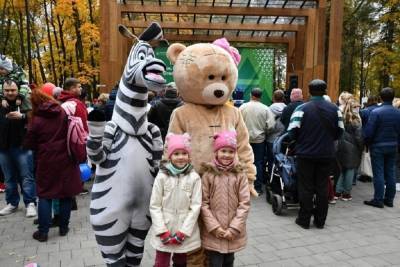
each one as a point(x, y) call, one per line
point(281, 188)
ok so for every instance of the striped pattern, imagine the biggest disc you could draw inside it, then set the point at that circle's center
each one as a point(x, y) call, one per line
point(127, 154)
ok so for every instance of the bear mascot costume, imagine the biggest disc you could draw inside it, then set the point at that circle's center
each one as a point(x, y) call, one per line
point(206, 75)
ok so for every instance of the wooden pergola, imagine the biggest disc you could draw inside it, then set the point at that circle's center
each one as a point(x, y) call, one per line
point(300, 25)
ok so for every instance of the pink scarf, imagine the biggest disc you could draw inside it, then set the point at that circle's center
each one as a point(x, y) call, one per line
point(225, 168)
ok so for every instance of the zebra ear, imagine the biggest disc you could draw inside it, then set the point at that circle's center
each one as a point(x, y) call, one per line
point(173, 52)
point(127, 33)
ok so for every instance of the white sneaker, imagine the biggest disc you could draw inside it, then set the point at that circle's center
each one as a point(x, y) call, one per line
point(398, 187)
point(31, 210)
point(8, 210)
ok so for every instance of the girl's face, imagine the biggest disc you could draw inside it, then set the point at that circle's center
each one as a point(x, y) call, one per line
point(180, 158)
point(226, 155)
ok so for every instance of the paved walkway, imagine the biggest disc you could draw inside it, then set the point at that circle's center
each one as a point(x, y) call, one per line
point(355, 235)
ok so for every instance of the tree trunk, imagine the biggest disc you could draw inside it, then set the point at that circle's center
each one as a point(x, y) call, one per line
point(64, 51)
point(79, 46)
point(7, 37)
point(42, 73)
point(28, 31)
point(21, 38)
point(46, 15)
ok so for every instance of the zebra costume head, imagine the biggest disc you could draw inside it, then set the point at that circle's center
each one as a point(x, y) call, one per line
point(142, 68)
point(142, 73)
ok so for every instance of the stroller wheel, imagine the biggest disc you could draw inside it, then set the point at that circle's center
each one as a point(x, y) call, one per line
point(268, 194)
point(277, 204)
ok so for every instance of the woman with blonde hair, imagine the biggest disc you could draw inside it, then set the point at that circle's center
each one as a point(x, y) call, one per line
point(349, 149)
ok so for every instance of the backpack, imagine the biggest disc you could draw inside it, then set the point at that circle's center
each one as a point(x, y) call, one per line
point(77, 136)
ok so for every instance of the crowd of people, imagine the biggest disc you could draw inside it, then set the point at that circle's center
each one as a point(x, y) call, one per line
point(334, 144)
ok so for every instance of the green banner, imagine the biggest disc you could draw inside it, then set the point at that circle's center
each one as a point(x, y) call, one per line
point(255, 70)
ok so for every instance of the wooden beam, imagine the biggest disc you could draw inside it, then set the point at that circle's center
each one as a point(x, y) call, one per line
point(309, 60)
point(335, 48)
point(220, 26)
point(216, 10)
point(233, 38)
point(320, 40)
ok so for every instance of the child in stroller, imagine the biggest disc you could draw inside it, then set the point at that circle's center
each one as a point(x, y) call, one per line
point(281, 187)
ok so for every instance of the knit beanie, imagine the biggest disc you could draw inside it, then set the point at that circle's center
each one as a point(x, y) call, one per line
point(296, 95)
point(225, 139)
point(177, 141)
point(171, 93)
point(6, 63)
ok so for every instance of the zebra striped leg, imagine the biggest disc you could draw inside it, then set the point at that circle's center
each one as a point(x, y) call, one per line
point(135, 246)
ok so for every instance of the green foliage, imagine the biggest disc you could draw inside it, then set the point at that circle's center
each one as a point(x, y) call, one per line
point(371, 46)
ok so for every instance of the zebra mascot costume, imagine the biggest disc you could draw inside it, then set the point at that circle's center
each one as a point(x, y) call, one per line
point(127, 151)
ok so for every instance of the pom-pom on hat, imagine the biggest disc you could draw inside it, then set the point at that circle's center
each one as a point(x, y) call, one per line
point(225, 139)
point(177, 141)
point(296, 95)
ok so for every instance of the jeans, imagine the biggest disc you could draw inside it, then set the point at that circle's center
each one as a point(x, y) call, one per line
point(259, 162)
point(17, 166)
point(44, 213)
point(383, 160)
point(345, 182)
point(163, 259)
point(312, 175)
point(216, 259)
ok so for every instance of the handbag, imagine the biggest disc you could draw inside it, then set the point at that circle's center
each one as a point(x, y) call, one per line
point(365, 168)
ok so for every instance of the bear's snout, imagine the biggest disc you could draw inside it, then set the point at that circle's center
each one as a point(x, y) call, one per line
point(219, 93)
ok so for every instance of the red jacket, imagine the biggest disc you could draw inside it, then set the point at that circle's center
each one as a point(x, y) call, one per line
point(81, 110)
point(57, 176)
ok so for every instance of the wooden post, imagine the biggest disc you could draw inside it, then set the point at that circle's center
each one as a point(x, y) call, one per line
point(320, 40)
point(299, 59)
point(309, 60)
point(335, 48)
point(113, 46)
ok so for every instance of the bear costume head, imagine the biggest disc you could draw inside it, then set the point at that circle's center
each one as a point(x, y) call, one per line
point(205, 73)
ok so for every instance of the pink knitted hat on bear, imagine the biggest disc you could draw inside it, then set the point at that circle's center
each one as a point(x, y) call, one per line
point(177, 141)
point(225, 139)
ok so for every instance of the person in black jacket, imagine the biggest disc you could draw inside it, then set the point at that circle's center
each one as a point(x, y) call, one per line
point(314, 127)
point(296, 99)
point(109, 107)
point(15, 161)
point(160, 112)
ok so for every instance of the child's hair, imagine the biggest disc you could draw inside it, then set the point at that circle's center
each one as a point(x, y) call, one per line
point(177, 141)
point(225, 139)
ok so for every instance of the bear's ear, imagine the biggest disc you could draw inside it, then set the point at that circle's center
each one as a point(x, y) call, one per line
point(173, 52)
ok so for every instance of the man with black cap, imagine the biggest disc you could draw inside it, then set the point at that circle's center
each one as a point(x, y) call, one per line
point(160, 112)
point(315, 126)
point(259, 119)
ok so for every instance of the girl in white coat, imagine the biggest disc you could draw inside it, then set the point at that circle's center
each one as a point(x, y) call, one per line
point(175, 205)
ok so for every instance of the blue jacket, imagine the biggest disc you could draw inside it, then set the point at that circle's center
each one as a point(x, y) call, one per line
point(383, 127)
point(109, 108)
point(364, 114)
point(314, 138)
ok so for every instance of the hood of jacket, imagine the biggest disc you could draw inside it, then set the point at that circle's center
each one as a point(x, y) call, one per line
point(210, 167)
point(66, 95)
point(49, 109)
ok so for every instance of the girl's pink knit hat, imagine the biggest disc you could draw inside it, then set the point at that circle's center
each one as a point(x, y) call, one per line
point(225, 139)
point(177, 141)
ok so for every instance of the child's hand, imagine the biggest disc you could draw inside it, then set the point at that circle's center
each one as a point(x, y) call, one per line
point(219, 232)
point(177, 238)
point(231, 234)
point(18, 102)
point(4, 103)
point(165, 238)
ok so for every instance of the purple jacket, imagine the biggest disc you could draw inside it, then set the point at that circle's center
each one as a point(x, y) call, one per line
point(57, 176)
